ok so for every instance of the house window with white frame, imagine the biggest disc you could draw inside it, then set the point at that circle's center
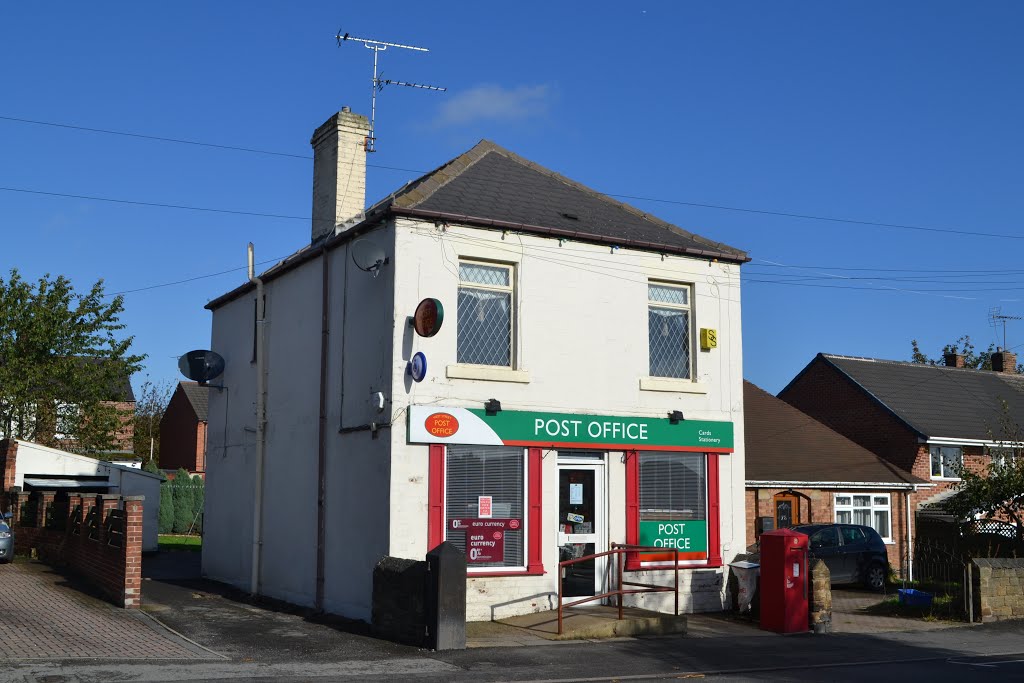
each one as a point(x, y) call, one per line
point(668, 330)
point(946, 461)
point(485, 314)
point(867, 509)
point(1004, 457)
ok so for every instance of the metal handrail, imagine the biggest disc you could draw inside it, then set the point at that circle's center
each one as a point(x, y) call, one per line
point(620, 550)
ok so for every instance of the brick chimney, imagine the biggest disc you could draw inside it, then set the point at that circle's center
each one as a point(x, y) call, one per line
point(339, 171)
point(1004, 361)
point(953, 360)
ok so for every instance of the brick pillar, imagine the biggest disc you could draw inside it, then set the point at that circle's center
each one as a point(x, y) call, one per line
point(821, 598)
point(133, 551)
point(8, 461)
point(45, 501)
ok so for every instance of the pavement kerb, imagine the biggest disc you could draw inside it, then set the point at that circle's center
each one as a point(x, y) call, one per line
point(146, 615)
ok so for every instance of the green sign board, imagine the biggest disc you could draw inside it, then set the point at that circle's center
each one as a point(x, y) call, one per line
point(688, 536)
point(438, 424)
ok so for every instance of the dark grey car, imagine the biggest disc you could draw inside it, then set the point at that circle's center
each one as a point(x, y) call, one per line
point(852, 553)
point(6, 540)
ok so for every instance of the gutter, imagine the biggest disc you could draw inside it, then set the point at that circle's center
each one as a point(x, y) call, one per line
point(567, 234)
point(261, 425)
point(758, 484)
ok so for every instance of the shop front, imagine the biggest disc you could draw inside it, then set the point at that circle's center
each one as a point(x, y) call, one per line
point(521, 491)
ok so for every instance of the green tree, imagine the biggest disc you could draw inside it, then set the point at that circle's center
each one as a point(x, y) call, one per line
point(997, 492)
point(150, 403)
point(184, 511)
point(152, 467)
point(166, 523)
point(199, 498)
point(63, 357)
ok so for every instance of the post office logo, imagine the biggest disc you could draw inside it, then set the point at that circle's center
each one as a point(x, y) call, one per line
point(441, 425)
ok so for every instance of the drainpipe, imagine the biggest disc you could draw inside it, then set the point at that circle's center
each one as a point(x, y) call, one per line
point(910, 536)
point(321, 455)
point(261, 425)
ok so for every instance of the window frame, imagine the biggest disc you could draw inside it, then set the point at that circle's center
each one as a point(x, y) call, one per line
point(437, 520)
point(872, 507)
point(510, 289)
point(712, 514)
point(942, 462)
point(689, 309)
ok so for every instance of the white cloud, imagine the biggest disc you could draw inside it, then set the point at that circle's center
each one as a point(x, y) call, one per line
point(494, 103)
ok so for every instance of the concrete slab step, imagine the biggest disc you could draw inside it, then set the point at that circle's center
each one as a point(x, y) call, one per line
point(595, 622)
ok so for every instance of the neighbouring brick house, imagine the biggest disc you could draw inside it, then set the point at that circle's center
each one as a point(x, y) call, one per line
point(183, 430)
point(800, 472)
point(926, 419)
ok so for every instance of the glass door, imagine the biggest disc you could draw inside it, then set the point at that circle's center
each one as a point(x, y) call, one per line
point(581, 528)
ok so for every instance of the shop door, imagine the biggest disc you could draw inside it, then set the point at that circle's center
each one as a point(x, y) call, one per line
point(581, 528)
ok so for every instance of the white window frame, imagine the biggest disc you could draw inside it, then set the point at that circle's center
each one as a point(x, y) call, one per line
point(942, 466)
point(689, 321)
point(510, 290)
point(1004, 455)
point(872, 508)
point(470, 569)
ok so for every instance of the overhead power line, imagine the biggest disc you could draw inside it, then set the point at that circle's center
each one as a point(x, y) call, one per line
point(662, 200)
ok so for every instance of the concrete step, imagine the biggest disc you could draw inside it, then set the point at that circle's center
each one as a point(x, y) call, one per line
point(599, 621)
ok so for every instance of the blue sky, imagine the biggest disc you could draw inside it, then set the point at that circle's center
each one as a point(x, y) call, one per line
point(901, 113)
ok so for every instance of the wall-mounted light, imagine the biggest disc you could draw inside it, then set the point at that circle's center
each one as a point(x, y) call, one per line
point(675, 417)
point(492, 406)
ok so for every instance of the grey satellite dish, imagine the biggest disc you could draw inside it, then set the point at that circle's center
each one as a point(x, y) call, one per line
point(201, 366)
point(368, 256)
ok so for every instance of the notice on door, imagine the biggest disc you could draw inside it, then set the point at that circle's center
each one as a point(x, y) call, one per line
point(485, 538)
point(575, 494)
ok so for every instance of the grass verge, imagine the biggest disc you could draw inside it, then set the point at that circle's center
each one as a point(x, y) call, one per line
point(179, 542)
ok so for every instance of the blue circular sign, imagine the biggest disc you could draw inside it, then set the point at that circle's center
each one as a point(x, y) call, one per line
point(418, 366)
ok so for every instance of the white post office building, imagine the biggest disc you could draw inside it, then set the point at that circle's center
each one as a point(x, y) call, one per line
point(496, 356)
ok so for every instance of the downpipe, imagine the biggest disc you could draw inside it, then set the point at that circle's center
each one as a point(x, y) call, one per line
point(261, 425)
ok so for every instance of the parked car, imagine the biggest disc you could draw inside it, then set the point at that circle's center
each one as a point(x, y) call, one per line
point(6, 540)
point(852, 553)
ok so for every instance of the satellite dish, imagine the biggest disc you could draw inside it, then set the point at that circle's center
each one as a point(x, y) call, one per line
point(368, 256)
point(201, 366)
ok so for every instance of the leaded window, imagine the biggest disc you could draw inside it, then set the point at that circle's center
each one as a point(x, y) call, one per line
point(485, 314)
point(668, 330)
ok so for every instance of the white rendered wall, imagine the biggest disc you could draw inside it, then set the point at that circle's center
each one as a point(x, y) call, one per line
point(581, 315)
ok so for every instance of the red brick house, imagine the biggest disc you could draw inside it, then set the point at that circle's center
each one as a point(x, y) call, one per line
point(798, 471)
point(927, 419)
point(183, 430)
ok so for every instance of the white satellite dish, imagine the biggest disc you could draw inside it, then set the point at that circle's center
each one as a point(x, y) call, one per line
point(368, 257)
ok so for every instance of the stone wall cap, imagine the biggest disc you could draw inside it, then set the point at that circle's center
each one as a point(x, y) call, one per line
point(134, 497)
point(109, 496)
point(999, 562)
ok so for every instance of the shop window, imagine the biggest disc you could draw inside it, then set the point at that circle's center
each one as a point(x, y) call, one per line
point(672, 503)
point(866, 509)
point(486, 501)
point(668, 330)
point(485, 314)
point(946, 461)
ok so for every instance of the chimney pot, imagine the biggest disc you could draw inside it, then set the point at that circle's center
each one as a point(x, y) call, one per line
point(346, 110)
point(953, 360)
point(1004, 361)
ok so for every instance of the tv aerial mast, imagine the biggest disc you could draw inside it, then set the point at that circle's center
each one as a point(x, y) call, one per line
point(996, 317)
point(378, 82)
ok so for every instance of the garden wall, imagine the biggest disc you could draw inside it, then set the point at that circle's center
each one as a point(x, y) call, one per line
point(998, 589)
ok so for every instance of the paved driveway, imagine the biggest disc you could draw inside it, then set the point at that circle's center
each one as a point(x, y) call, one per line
point(850, 614)
point(46, 615)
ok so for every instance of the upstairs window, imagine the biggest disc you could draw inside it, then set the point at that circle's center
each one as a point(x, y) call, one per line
point(668, 327)
point(946, 461)
point(485, 324)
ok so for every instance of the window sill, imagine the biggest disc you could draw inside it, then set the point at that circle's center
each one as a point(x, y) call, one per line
point(487, 373)
point(500, 573)
point(945, 478)
point(684, 386)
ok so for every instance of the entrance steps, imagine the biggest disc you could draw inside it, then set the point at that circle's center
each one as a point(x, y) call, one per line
point(582, 623)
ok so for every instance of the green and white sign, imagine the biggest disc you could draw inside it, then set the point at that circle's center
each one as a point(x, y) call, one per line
point(433, 424)
point(690, 537)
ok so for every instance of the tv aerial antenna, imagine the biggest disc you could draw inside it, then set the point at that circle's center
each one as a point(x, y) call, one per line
point(378, 82)
point(996, 318)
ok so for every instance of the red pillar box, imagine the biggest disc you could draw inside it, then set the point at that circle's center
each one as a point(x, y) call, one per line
point(784, 581)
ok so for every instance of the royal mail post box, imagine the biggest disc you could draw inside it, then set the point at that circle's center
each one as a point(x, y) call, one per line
point(784, 581)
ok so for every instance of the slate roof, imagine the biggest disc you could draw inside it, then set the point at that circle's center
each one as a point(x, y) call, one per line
point(199, 397)
point(938, 401)
point(491, 187)
point(786, 445)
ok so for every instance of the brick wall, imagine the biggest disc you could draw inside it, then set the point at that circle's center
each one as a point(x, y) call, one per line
point(97, 536)
point(998, 589)
point(830, 397)
point(817, 506)
point(182, 436)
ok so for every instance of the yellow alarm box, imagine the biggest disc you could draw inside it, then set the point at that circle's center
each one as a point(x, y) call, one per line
point(708, 339)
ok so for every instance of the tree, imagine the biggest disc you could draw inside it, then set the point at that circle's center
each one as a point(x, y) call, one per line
point(150, 403)
point(166, 523)
point(978, 360)
point(63, 357)
point(184, 499)
point(199, 497)
point(998, 491)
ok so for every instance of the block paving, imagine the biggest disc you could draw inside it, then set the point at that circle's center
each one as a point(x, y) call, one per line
point(46, 618)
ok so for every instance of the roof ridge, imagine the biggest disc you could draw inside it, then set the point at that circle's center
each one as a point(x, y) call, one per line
point(911, 363)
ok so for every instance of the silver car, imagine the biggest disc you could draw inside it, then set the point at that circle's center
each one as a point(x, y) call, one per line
point(6, 540)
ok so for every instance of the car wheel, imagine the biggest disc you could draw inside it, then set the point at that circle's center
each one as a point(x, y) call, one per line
point(875, 577)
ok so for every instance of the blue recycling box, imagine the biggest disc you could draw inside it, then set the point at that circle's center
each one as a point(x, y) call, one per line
point(914, 598)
